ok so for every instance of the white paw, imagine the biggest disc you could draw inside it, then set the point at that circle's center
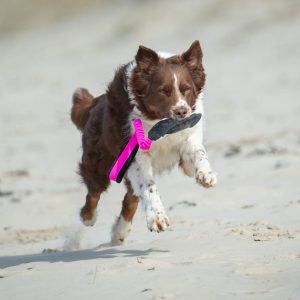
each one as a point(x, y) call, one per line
point(157, 220)
point(120, 231)
point(206, 179)
point(89, 222)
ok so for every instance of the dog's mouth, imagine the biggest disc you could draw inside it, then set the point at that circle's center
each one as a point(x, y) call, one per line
point(172, 115)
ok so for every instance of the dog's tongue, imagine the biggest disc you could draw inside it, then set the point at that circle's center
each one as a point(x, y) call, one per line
point(171, 125)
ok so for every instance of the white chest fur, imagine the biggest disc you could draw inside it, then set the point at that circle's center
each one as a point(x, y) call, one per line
point(165, 153)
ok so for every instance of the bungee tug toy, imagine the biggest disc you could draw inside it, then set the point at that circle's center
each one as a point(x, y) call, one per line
point(138, 140)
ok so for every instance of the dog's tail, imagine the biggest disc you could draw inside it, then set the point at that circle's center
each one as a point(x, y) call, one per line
point(82, 102)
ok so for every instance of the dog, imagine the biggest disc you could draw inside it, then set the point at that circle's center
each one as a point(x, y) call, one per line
point(154, 86)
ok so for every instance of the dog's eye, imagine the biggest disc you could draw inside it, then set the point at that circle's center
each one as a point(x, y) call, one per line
point(185, 88)
point(166, 91)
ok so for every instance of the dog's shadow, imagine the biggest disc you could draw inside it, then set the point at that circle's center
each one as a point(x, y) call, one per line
point(87, 254)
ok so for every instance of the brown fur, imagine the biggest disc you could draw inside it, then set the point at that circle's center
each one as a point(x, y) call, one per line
point(82, 102)
point(104, 120)
point(130, 203)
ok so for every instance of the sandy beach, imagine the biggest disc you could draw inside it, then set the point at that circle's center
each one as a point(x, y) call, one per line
point(240, 240)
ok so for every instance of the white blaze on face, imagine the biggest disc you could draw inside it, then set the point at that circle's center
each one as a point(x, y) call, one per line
point(180, 99)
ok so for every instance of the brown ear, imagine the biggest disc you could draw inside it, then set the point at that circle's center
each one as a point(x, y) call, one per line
point(193, 56)
point(146, 58)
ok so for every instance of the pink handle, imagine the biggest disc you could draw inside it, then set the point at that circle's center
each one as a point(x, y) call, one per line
point(123, 158)
point(144, 143)
point(137, 138)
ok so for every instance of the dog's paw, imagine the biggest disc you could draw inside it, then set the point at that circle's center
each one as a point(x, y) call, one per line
point(157, 220)
point(88, 217)
point(206, 179)
point(120, 231)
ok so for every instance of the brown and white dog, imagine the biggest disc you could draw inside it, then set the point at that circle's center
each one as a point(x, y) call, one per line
point(152, 87)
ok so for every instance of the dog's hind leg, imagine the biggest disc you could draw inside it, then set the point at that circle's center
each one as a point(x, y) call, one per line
point(96, 184)
point(88, 212)
point(123, 224)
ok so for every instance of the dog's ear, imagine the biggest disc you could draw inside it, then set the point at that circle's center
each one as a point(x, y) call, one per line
point(146, 58)
point(193, 56)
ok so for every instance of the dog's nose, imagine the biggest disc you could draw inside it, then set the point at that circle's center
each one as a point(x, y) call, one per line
point(180, 112)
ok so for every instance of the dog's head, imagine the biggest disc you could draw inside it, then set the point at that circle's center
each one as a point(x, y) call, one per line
point(167, 87)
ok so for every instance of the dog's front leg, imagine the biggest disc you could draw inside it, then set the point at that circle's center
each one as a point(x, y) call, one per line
point(140, 175)
point(194, 162)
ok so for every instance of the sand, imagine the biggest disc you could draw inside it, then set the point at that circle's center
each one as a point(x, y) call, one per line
point(240, 240)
